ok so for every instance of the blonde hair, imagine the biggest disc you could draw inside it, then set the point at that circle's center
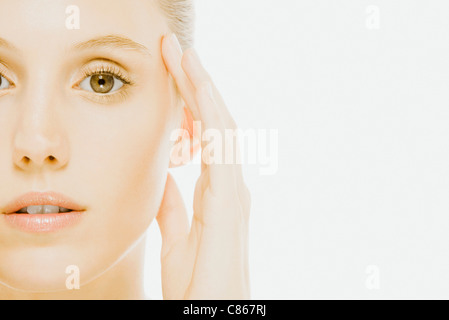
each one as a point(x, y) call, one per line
point(181, 17)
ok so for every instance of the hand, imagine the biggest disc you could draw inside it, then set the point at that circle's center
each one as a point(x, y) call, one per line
point(208, 260)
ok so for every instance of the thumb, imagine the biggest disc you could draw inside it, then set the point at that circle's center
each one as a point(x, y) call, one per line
point(172, 216)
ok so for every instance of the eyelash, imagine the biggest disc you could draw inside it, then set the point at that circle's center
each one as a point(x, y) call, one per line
point(3, 74)
point(108, 69)
point(87, 71)
point(119, 95)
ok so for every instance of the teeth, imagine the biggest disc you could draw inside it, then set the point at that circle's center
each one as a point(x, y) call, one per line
point(43, 209)
point(34, 209)
point(50, 209)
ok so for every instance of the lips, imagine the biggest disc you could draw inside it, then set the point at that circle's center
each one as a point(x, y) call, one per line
point(44, 209)
point(35, 212)
point(41, 199)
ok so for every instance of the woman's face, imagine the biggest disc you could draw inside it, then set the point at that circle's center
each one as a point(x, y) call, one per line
point(109, 136)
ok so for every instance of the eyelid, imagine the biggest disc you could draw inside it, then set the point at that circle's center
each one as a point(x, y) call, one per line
point(115, 97)
point(107, 67)
point(5, 73)
point(103, 66)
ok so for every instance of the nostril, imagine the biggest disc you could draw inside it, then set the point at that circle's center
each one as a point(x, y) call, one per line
point(26, 159)
point(51, 158)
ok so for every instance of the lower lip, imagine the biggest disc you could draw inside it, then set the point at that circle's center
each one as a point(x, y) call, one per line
point(43, 223)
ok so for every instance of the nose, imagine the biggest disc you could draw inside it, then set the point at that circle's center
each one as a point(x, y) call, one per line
point(39, 142)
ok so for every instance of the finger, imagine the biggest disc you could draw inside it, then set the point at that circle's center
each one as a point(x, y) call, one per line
point(212, 115)
point(200, 78)
point(216, 148)
point(197, 74)
point(172, 55)
point(172, 217)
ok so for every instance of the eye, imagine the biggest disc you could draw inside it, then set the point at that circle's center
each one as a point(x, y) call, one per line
point(102, 83)
point(4, 83)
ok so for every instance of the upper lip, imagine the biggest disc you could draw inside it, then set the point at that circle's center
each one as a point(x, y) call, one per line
point(42, 198)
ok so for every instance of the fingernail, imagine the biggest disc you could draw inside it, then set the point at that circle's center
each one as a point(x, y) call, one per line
point(175, 43)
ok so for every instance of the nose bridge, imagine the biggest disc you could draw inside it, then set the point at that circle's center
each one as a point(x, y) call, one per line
point(39, 139)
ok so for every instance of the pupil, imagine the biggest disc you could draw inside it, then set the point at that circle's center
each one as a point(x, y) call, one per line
point(101, 82)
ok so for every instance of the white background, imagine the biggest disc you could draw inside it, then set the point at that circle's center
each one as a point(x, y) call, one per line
point(358, 207)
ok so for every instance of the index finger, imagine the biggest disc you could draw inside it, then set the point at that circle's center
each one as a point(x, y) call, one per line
point(172, 55)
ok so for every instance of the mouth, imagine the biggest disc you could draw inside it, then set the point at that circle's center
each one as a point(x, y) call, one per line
point(42, 209)
point(42, 203)
point(41, 212)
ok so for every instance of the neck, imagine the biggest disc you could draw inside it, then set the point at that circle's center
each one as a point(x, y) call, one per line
point(124, 281)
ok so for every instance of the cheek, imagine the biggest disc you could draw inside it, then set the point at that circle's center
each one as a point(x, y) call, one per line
point(127, 156)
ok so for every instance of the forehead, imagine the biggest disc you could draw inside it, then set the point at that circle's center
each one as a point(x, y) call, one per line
point(59, 24)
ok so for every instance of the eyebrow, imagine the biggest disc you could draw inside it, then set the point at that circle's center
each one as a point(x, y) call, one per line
point(107, 42)
point(112, 41)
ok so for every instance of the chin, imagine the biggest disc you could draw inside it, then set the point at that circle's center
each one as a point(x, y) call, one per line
point(41, 270)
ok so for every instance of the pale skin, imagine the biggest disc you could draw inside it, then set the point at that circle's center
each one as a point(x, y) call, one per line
point(115, 154)
point(213, 252)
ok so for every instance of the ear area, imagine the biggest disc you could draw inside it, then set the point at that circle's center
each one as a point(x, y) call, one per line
point(187, 143)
